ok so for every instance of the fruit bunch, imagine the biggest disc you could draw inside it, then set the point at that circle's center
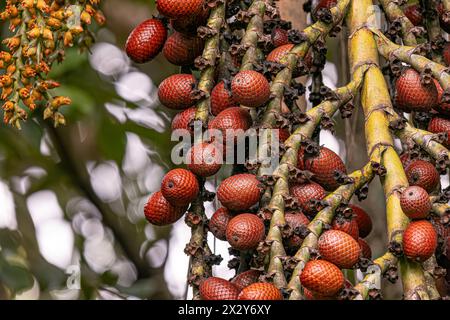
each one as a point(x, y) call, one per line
point(292, 232)
point(41, 32)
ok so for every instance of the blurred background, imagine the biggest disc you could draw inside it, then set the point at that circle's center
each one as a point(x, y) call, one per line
point(72, 198)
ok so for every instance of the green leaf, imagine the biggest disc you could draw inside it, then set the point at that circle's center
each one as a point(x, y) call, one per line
point(112, 140)
point(16, 278)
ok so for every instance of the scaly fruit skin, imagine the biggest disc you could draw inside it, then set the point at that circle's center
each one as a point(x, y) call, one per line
point(230, 120)
point(310, 295)
point(441, 107)
point(323, 166)
point(339, 248)
point(204, 159)
point(214, 288)
point(366, 251)
point(294, 221)
point(412, 95)
point(181, 50)
point(180, 187)
point(419, 240)
point(446, 53)
point(175, 91)
point(279, 37)
point(188, 25)
point(279, 53)
point(218, 223)
point(260, 291)
point(423, 174)
point(363, 220)
point(246, 278)
point(250, 88)
point(306, 192)
point(414, 14)
point(160, 212)
point(438, 125)
point(322, 277)
point(184, 119)
point(239, 192)
point(349, 226)
point(146, 41)
point(176, 9)
point(221, 99)
point(415, 202)
point(245, 231)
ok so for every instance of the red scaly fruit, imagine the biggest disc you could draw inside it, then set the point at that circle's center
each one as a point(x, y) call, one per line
point(279, 53)
point(221, 99)
point(323, 166)
point(322, 277)
point(406, 159)
point(444, 25)
point(176, 9)
point(423, 174)
point(260, 291)
point(415, 202)
point(414, 14)
point(160, 212)
point(204, 159)
point(214, 288)
point(231, 121)
point(339, 248)
point(218, 223)
point(180, 187)
point(306, 192)
point(279, 37)
point(366, 251)
point(175, 92)
point(446, 53)
point(419, 240)
point(146, 41)
point(250, 88)
point(181, 50)
point(239, 192)
point(184, 119)
point(283, 134)
point(188, 25)
point(363, 220)
point(440, 124)
point(347, 225)
point(245, 231)
point(412, 95)
point(441, 107)
point(246, 278)
point(294, 221)
point(310, 295)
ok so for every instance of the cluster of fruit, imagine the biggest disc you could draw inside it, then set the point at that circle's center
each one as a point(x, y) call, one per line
point(43, 30)
point(240, 221)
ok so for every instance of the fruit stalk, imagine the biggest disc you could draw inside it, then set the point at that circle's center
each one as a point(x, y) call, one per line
point(343, 194)
point(430, 267)
point(395, 13)
point(433, 27)
point(376, 104)
point(211, 54)
point(410, 55)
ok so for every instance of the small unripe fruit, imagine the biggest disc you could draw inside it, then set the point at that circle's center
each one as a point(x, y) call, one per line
point(363, 220)
point(160, 212)
point(180, 187)
point(175, 91)
point(260, 291)
point(423, 174)
point(250, 88)
point(415, 202)
point(245, 231)
point(306, 192)
point(204, 159)
point(419, 240)
point(339, 248)
point(246, 278)
point(146, 41)
point(239, 192)
point(214, 288)
point(219, 222)
point(322, 277)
